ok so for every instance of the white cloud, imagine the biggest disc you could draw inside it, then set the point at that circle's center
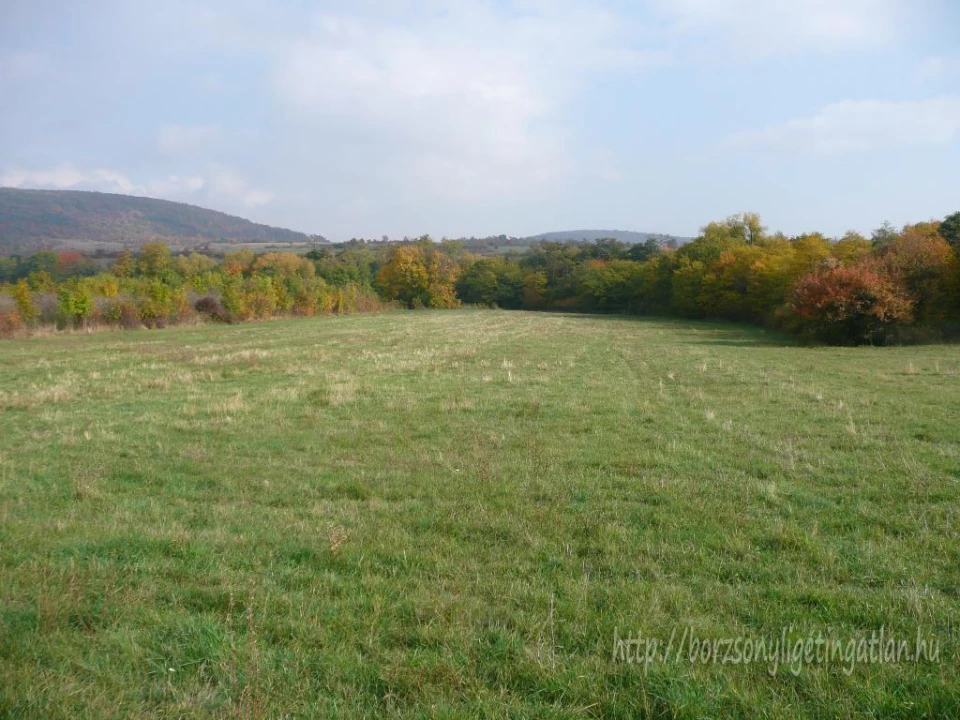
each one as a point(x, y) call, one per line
point(174, 186)
point(227, 185)
point(65, 176)
point(219, 186)
point(459, 101)
point(763, 27)
point(863, 125)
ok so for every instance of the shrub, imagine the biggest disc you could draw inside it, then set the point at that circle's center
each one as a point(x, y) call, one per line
point(10, 320)
point(211, 307)
point(120, 311)
point(161, 304)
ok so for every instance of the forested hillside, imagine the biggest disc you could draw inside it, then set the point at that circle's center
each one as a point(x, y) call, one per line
point(30, 219)
point(624, 236)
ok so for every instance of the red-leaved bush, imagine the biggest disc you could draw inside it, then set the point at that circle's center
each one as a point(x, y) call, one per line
point(849, 305)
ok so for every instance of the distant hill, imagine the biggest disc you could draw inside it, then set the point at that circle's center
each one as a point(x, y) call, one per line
point(627, 236)
point(35, 219)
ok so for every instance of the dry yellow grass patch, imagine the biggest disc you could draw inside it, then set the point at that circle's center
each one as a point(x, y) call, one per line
point(240, 355)
point(36, 395)
point(228, 408)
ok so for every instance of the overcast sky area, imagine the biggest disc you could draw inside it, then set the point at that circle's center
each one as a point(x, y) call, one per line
point(477, 117)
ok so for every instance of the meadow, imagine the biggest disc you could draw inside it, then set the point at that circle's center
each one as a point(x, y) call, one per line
point(446, 514)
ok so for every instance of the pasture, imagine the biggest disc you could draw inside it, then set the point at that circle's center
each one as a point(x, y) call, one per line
point(446, 514)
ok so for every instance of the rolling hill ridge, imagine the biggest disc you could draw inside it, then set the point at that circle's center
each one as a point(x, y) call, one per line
point(626, 236)
point(31, 220)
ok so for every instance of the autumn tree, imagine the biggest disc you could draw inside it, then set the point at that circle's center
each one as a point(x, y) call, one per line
point(723, 287)
point(717, 237)
point(262, 298)
point(283, 265)
point(419, 276)
point(810, 252)
point(238, 262)
point(194, 264)
point(404, 277)
point(851, 248)
point(926, 266)
point(744, 227)
point(124, 265)
point(849, 305)
point(534, 289)
point(155, 260)
point(442, 272)
point(23, 299)
point(71, 263)
point(772, 276)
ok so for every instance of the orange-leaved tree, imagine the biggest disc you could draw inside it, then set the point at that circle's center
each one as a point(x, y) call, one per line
point(924, 263)
point(849, 305)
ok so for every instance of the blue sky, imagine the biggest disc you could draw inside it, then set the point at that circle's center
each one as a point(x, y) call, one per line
point(475, 117)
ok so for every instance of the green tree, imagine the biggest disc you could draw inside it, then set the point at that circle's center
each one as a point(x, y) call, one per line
point(641, 252)
point(688, 280)
point(41, 281)
point(950, 231)
point(615, 285)
point(884, 237)
point(492, 282)
point(44, 261)
point(9, 268)
point(74, 303)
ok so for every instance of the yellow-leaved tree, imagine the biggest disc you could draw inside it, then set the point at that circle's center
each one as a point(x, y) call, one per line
point(419, 275)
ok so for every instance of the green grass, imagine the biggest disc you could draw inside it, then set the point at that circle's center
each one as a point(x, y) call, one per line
point(450, 514)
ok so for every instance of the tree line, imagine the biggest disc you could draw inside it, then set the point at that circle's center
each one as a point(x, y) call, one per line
point(899, 285)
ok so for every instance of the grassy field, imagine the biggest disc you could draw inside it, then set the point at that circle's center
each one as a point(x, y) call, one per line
point(455, 514)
